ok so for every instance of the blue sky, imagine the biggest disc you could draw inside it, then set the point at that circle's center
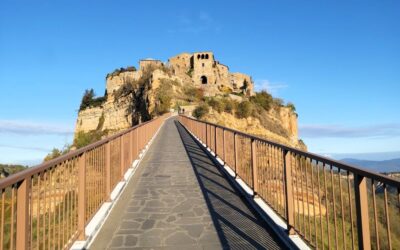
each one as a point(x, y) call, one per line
point(338, 61)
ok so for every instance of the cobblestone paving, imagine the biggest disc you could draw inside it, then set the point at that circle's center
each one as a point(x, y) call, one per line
point(178, 199)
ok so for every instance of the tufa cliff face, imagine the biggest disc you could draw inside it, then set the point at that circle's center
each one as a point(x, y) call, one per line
point(275, 125)
point(184, 82)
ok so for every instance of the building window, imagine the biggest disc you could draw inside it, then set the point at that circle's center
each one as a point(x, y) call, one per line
point(198, 56)
point(202, 64)
point(206, 56)
point(202, 56)
point(203, 79)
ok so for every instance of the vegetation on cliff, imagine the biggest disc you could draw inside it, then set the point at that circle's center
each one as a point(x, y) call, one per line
point(255, 114)
point(121, 70)
point(55, 152)
point(89, 100)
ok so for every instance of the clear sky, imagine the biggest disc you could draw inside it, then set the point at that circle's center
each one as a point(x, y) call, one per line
point(338, 61)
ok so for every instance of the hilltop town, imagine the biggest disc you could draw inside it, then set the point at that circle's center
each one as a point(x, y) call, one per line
point(186, 82)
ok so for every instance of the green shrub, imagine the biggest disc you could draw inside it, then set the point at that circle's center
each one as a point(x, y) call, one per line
point(121, 70)
point(163, 97)
point(229, 105)
point(88, 100)
point(291, 106)
point(190, 72)
point(216, 104)
point(193, 94)
point(262, 99)
point(244, 109)
point(201, 111)
point(85, 138)
point(278, 102)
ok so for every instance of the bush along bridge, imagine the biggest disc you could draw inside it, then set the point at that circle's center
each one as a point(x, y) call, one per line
point(180, 183)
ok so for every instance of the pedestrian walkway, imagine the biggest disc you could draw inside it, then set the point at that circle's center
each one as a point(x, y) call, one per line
point(179, 199)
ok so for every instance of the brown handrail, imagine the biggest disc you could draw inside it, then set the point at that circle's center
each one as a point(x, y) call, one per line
point(345, 166)
point(49, 205)
point(327, 202)
point(45, 165)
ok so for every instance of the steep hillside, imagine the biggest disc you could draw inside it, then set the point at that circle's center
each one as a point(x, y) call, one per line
point(195, 84)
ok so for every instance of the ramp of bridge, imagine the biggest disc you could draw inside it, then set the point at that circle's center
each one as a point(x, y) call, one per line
point(179, 199)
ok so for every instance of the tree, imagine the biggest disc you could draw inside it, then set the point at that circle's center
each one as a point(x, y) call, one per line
point(87, 99)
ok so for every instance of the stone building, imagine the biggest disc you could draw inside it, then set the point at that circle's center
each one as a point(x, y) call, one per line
point(205, 72)
point(144, 63)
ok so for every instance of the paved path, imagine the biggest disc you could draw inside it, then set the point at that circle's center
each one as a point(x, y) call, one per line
point(178, 199)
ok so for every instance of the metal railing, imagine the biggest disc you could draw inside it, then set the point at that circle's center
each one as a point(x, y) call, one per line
point(330, 204)
point(49, 205)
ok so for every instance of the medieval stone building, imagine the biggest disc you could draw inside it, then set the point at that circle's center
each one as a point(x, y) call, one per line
point(204, 71)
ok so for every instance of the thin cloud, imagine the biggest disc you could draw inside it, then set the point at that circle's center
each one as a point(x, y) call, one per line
point(272, 87)
point(32, 128)
point(338, 131)
point(205, 17)
point(25, 148)
point(196, 24)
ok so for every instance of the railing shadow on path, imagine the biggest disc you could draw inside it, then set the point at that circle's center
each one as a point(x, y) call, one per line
point(237, 224)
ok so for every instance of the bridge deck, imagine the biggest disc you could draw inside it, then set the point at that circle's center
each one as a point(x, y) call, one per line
point(179, 199)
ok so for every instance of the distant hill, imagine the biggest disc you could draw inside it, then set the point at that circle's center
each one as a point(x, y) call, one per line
point(8, 169)
point(385, 166)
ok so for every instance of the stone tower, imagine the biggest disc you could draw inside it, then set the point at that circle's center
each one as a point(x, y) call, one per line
point(203, 68)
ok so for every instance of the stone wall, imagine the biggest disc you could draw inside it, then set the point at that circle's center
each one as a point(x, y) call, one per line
point(180, 64)
point(143, 64)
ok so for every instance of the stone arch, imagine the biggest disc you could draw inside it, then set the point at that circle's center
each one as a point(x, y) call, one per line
point(206, 56)
point(203, 79)
point(202, 56)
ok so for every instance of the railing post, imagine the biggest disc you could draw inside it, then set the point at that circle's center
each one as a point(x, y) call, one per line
point(254, 166)
point(204, 133)
point(215, 141)
point(108, 171)
point(140, 132)
point(130, 148)
point(207, 135)
point(223, 146)
point(23, 214)
point(121, 148)
point(287, 166)
point(361, 200)
point(82, 196)
point(136, 143)
point(235, 152)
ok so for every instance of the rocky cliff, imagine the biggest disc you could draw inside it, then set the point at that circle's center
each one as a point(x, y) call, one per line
point(186, 82)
